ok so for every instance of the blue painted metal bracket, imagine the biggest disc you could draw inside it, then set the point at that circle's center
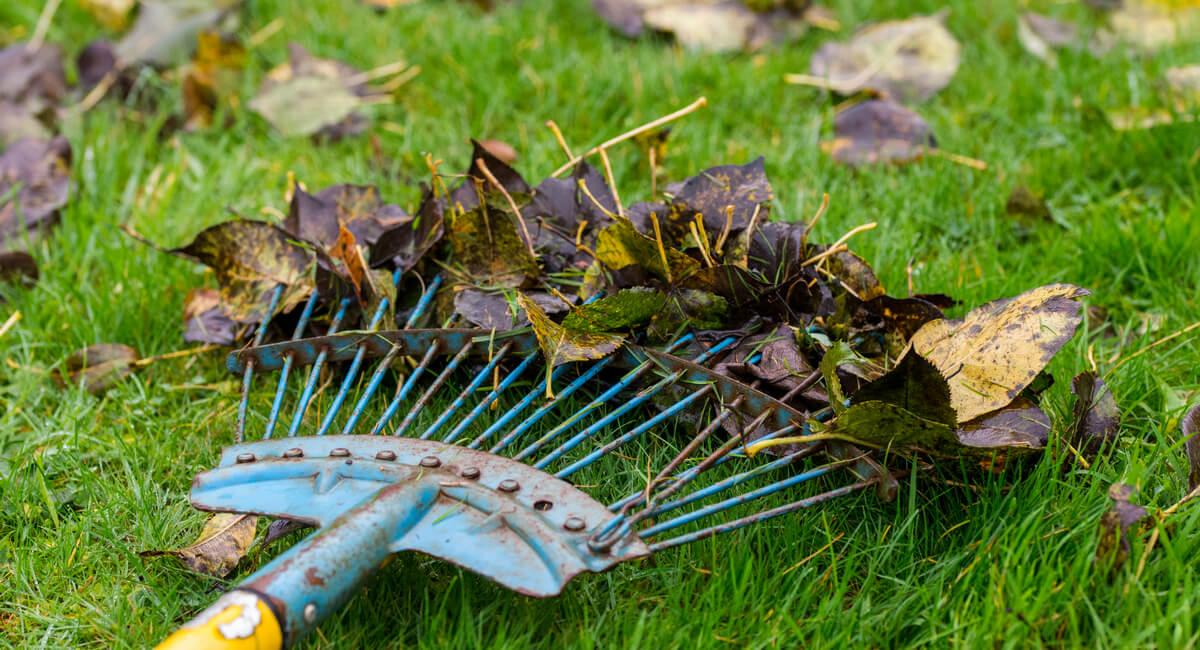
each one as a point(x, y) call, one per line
point(377, 495)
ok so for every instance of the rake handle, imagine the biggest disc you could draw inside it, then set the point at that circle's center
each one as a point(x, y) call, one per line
point(283, 601)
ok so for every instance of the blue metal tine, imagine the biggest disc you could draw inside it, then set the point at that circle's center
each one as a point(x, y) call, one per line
point(437, 383)
point(249, 374)
point(541, 411)
point(352, 372)
point(621, 384)
point(403, 390)
point(423, 303)
point(281, 388)
point(492, 396)
point(599, 425)
point(471, 387)
point(314, 372)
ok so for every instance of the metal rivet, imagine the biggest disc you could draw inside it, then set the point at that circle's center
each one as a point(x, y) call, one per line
point(470, 473)
point(339, 451)
point(294, 452)
point(245, 458)
point(574, 524)
point(431, 461)
point(310, 613)
point(509, 485)
point(386, 455)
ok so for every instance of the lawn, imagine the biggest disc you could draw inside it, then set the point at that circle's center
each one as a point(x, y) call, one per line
point(88, 481)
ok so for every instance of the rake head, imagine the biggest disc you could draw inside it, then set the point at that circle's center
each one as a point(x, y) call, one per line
point(495, 476)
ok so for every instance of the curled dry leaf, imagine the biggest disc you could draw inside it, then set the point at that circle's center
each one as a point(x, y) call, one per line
point(503, 151)
point(318, 218)
point(486, 242)
point(467, 193)
point(561, 345)
point(250, 259)
point(995, 351)
point(1095, 417)
point(726, 198)
point(17, 267)
point(98, 367)
point(878, 131)
point(34, 184)
point(499, 311)
point(404, 244)
point(1112, 549)
point(905, 60)
point(221, 545)
point(1020, 424)
point(1191, 434)
point(212, 78)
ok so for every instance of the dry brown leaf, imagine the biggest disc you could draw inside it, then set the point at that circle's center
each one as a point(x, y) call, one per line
point(221, 545)
point(1155, 24)
point(993, 353)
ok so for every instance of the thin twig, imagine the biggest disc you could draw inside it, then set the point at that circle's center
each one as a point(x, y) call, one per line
point(268, 30)
point(399, 80)
point(725, 231)
point(1153, 345)
point(649, 126)
point(612, 181)
point(12, 320)
point(1162, 516)
point(820, 211)
point(700, 244)
point(973, 163)
point(43, 25)
point(141, 363)
point(386, 70)
point(562, 142)
point(587, 192)
point(511, 203)
point(843, 87)
point(662, 250)
point(839, 242)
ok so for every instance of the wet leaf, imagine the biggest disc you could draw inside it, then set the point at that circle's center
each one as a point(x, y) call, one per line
point(1155, 24)
point(17, 267)
point(311, 96)
point(319, 217)
point(405, 244)
point(878, 131)
point(1041, 35)
point(212, 78)
point(32, 84)
point(98, 367)
point(280, 528)
point(486, 242)
point(250, 259)
point(221, 545)
point(467, 194)
point(305, 105)
point(1191, 434)
point(621, 245)
point(726, 198)
point(1022, 202)
point(499, 311)
point(992, 354)
point(855, 275)
point(94, 62)
point(781, 364)
point(835, 357)
point(903, 316)
point(503, 151)
point(905, 60)
point(1112, 549)
point(1020, 424)
point(353, 266)
point(164, 32)
point(561, 345)
point(1095, 417)
point(710, 25)
point(689, 309)
point(204, 321)
point(34, 184)
point(914, 385)
point(617, 313)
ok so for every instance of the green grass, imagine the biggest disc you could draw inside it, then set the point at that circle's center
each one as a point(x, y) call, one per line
point(86, 482)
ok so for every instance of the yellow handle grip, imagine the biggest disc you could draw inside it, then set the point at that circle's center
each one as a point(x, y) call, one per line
point(239, 620)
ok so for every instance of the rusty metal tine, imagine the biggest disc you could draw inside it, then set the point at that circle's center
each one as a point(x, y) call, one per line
point(352, 372)
point(720, 506)
point(423, 303)
point(491, 397)
point(437, 383)
point(636, 432)
point(281, 387)
point(405, 388)
point(314, 372)
point(248, 376)
point(641, 397)
point(471, 387)
point(761, 516)
point(376, 378)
